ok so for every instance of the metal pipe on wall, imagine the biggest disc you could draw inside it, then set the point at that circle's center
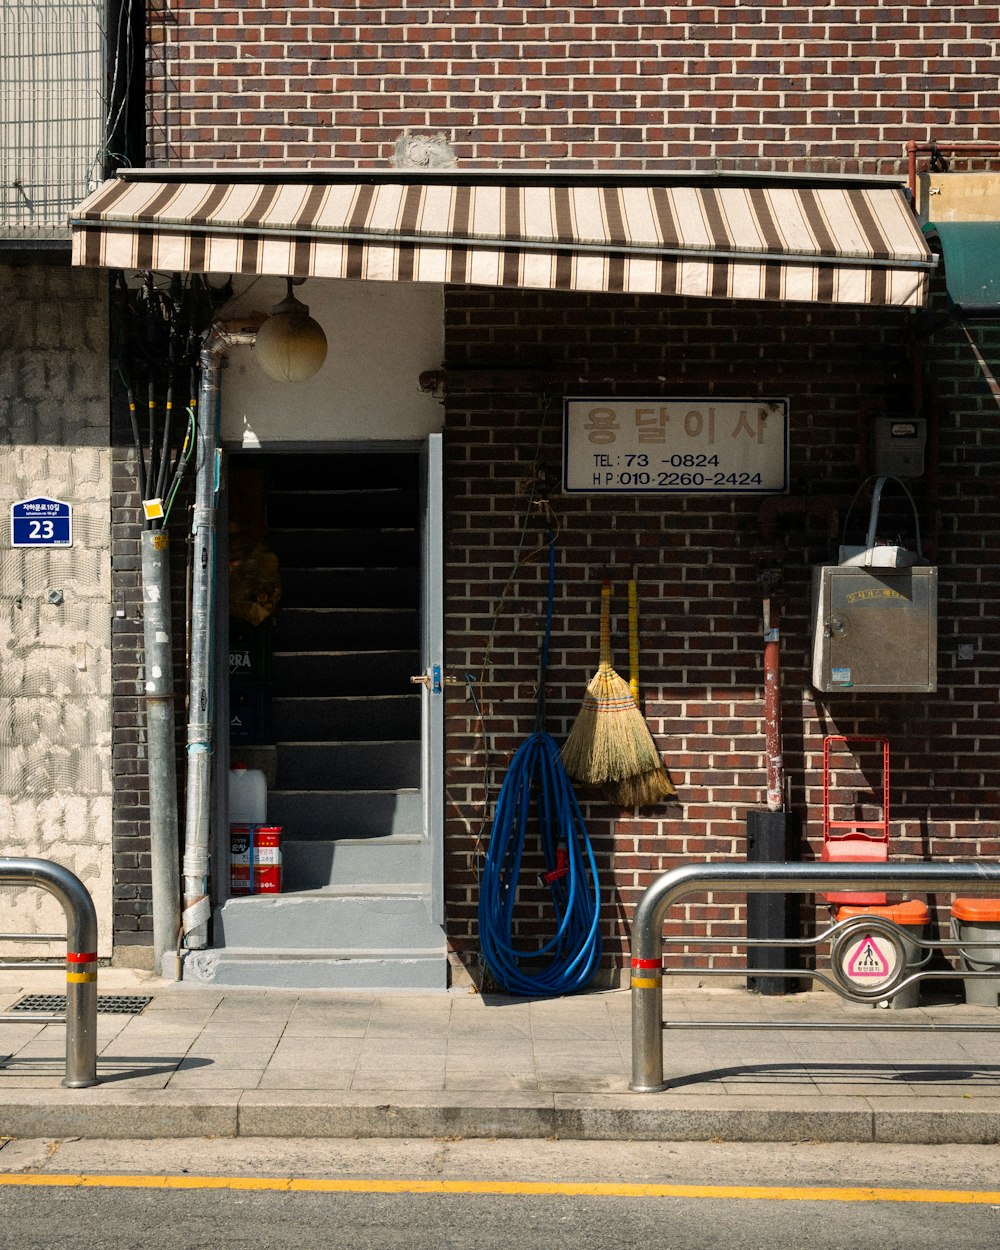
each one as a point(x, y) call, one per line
point(970, 148)
point(196, 863)
point(159, 682)
point(772, 707)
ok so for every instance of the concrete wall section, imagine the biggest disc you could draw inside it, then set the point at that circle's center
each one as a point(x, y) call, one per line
point(380, 338)
point(55, 663)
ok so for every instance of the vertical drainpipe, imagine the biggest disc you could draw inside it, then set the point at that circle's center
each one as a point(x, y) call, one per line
point(155, 548)
point(197, 858)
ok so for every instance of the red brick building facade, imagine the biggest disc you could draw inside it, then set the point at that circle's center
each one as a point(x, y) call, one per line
point(822, 90)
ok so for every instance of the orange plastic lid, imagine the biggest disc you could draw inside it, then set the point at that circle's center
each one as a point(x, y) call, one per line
point(912, 912)
point(973, 909)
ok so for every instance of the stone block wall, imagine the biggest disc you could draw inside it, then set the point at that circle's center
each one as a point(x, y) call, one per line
point(55, 604)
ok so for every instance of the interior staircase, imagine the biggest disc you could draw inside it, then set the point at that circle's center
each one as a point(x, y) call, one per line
point(345, 722)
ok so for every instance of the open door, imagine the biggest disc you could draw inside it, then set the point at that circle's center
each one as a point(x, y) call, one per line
point(433, 676)
point(338, 696)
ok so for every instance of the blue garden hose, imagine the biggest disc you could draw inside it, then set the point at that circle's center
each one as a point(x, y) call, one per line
point(536, 781)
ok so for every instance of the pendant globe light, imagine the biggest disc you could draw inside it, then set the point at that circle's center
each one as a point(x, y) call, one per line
point(290, 345)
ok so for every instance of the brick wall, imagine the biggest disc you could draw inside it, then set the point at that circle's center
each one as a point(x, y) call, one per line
point(133, 917)
point(783, 85)
point(776, 86)
point(697, 560)
point(133, 906)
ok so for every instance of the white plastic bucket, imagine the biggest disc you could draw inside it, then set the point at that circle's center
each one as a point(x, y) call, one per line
point(247, 796)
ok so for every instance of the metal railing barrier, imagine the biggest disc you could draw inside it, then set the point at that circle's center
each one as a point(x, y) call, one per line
point(847, 942)
point(81, 962)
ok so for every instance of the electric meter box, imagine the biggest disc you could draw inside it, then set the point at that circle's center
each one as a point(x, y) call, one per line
point(875, 629)
point(898, 446)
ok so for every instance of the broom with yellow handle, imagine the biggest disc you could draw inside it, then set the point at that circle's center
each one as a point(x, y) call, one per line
point(609, 740)
point(654, 786)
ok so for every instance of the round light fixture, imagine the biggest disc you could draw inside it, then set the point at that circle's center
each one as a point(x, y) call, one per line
point(290, 346)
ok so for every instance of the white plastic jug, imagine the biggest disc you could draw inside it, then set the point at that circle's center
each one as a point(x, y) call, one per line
point(247, 796)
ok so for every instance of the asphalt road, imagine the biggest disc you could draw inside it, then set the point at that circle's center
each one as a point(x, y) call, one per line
point(235, 1194)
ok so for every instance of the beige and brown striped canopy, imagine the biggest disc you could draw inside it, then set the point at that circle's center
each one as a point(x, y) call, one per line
point(756, 240)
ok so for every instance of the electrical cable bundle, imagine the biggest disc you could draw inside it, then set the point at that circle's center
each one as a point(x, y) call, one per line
point(536, 783)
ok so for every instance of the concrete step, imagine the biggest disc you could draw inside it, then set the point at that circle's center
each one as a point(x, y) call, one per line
point(349, 719)
point(359, 917)
point(380, 507)
point(340, 628)
point(354, 765)
point(321, 969)
point(350, 587)
point(318, 864)
point(346, 672)
point(307, 471)
point(324, 814)
point(347, 548)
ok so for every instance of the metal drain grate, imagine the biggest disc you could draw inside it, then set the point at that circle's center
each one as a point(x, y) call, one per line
point(119, 1004)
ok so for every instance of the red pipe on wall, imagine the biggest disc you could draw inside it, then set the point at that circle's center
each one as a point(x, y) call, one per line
point(968, 149)
point(771, 509)
point(772, 708)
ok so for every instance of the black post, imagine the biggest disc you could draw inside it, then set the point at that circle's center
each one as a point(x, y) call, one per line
point(772, 838)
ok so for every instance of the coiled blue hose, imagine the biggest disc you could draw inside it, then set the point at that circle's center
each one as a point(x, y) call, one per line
point(568, 960)
point(536, 781)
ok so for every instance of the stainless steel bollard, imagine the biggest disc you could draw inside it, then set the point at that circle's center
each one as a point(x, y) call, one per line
point(81, 959)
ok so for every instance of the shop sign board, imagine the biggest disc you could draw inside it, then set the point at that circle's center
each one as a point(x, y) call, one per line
point(666, 446)
point(41, 522)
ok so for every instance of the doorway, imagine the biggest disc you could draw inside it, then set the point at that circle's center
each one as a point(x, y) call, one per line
point(333, 610)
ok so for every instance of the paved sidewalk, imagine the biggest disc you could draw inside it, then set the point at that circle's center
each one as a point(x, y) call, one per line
point(202, 1062)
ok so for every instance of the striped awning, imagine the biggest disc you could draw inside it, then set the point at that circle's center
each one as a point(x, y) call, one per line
point(729, 239)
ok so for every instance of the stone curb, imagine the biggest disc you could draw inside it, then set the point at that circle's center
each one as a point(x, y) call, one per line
point(98, 1113)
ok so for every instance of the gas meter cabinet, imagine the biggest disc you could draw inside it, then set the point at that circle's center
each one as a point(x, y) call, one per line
point(875, 615)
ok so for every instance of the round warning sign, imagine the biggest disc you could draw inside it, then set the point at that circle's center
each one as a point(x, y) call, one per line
point(868, 959)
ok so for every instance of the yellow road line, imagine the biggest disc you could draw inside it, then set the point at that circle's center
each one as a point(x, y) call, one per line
point(564, 1189)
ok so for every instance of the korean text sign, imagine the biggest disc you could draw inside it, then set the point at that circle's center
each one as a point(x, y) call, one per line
point(670, 446)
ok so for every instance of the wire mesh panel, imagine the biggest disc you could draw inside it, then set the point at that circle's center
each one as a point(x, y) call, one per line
point(53, 111)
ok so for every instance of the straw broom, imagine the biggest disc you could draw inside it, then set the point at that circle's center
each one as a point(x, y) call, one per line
point(654, 786)
point(609, 740)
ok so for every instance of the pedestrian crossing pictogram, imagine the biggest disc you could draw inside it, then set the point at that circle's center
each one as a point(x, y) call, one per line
point(868, 960)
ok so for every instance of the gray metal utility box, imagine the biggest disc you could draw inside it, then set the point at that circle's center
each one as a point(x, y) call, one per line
point(875, 629)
